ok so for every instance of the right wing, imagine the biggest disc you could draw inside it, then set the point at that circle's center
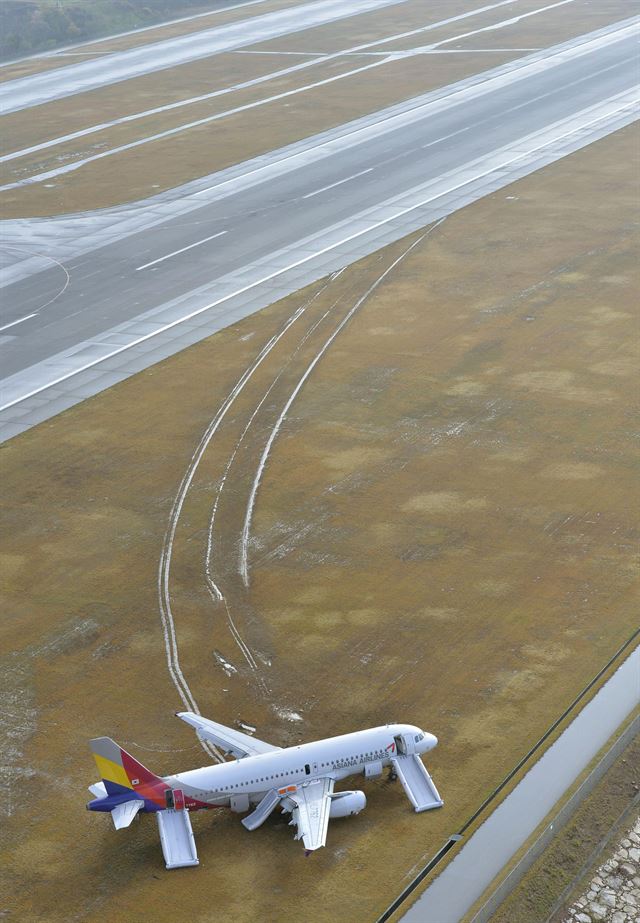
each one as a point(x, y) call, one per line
point(228, 739)
point(312, 806)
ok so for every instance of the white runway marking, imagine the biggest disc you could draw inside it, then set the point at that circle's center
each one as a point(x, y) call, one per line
point(19, 321)
point(44, 256)
point(337, 183)
point(446, 137)
point(533, 99)
point(78, 54)
point(244, 542)
point(473, 50)
point(300, 54)
point(181, 250)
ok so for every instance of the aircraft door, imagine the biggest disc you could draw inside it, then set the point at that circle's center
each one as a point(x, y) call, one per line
point(404, 744)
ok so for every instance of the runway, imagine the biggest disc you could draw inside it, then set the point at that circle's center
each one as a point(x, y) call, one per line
point(124, 288)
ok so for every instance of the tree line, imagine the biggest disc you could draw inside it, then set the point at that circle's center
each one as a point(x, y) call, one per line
point(30, 26)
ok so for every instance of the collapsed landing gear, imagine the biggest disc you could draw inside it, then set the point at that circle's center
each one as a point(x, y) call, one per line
point(393, 775)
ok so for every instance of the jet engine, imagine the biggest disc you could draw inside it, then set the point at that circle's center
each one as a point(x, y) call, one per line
point(343, 804)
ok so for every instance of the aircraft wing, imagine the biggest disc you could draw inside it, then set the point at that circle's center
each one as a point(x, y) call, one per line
point(311, 812)
point(228, 739)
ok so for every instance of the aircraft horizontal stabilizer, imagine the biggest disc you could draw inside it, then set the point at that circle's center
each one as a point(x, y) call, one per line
point(123, 814)
point(98, 790)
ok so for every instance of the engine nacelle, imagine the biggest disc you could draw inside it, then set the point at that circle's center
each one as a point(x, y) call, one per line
point(343, 804)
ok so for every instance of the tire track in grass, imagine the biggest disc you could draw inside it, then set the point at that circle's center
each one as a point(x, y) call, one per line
point(164, 568)
point(213, 588)
point(243, 565)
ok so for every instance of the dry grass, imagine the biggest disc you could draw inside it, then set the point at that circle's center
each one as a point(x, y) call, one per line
point(445, 533)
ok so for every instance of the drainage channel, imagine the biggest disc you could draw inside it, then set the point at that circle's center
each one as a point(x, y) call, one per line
point(633, 668)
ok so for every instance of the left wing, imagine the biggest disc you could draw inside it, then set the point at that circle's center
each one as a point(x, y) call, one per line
point(311, 809)
point(228, 739)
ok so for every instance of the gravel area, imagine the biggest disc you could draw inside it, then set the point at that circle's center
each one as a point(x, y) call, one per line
point(614, 891)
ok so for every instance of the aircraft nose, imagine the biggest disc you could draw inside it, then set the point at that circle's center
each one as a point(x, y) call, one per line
point(431, 740)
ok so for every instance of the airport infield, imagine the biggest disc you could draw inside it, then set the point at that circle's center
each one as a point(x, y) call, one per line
point(414, 482)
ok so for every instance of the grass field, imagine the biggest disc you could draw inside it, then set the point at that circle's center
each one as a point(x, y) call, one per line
point(444, 532)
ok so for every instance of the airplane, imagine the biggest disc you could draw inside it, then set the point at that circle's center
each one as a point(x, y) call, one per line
point(299, 780)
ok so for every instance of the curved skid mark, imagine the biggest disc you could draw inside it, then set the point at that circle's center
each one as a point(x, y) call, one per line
point(214, 590)
point(245, 651)
point(164, 595)
point(243, 563)
point(44, 256)
point(132, 743)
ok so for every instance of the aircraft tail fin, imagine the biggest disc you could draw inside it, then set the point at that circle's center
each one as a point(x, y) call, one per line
point(121, 773)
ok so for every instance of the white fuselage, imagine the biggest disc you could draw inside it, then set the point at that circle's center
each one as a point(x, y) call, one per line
point(335, 757)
